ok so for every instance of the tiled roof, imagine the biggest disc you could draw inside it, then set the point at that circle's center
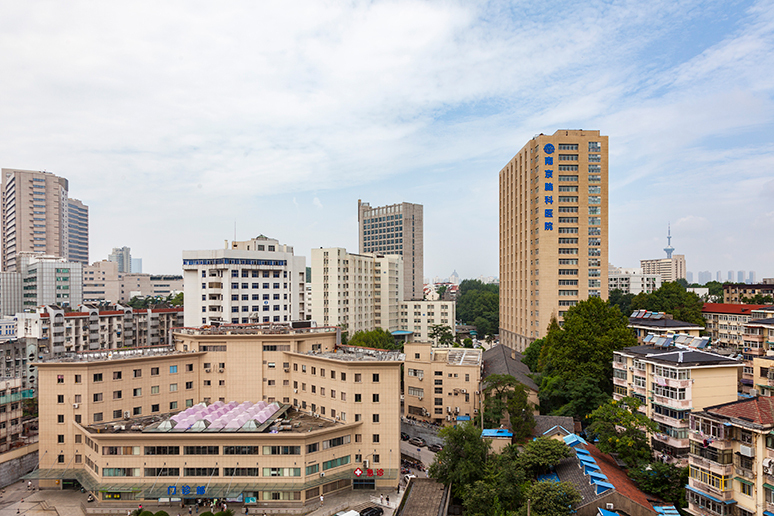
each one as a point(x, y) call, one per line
point(662, 323)
point(618, 477)
point(679, 356)
point(497, 360)
point(767, 322)
point(758, 410)
point(729, 308)
point(545, 423)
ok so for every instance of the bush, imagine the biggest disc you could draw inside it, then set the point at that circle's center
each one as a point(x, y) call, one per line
point(146, 513)
point(206, 513)
point(162, 513)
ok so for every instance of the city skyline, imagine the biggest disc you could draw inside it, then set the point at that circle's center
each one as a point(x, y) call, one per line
point(176, 137)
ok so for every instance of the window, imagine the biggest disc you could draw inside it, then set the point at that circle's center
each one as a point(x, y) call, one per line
point(116, 375)
point(97, 417)
point(77, 378)
point(172, 405)
point(117, 414)
point(97, 377)
point(60, 418)
point(357, 378)
point(375, 438)
point(60, 398)
point(155, 408)
point(173, 369)
point(375, 418)
point(155, 389)
point(117, 395)
point(97, 397)
point(137, 373)
point(375, 397)
point(154, 371)
point(172, 387)
point(376, 377)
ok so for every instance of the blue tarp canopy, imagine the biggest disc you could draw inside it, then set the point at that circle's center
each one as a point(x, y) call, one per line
point(603, 486)
point(705, 495)
point(605, 512)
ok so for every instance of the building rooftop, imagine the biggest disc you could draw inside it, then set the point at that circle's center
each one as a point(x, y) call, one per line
point(220, 417)
point(500, 359)
point(659, 320)
point(730, 308)
point(359, 354)
point(765, 322)
point(679, 356)
point(253, 329)
point(758, 411)
point(458, 356)
point(497, 433)
point(425, 497)
point(114, 354)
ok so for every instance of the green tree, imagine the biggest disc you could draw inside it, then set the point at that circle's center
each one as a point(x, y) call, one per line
point(176, 300)
point(572, 396)
point(621, 428)
point(441, 290)
point(665, 481)
point(673, 299)
point(479, 304)
point(715, 291)
point(531, 355)
point(500, 491)
point(551, 499)
point(467, 343)
point(682, 282)
point(462, 459)
point(376, 338)
point(623, 301)
point(583, 348)
point(504, 394)
point(441, 334)
point(541, 454)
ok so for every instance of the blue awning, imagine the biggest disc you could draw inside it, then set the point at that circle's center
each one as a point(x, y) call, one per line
point(603, 486)
point(581, 451)
point(463, 418)
point(705, 495)
point(597, 476)
point(605, 512)
point(588, 468)
point(768, 513)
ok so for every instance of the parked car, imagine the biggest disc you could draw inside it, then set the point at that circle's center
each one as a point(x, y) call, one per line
point(417, 441)
point(434, 447)
point(404, 436)
point(372, 511)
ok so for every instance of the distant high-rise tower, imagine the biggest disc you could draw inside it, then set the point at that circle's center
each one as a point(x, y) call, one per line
point(123, 257)
point(717, 277)
point(704, 277)
point(689, 277)
point(553, 231)
point(395, 229)
point(740, 276)
point(669, 249)
point(730, 275)
point(39, 217)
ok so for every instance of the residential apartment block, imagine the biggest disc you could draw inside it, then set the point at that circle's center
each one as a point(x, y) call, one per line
point(732, 459)
point(553, 231)
point(11, 300)
point(358, 291)
point(395, 229)
point(39, 217)
point(672, 380)
point(419, 317)
point(11, 411)
point(452, 389)
point(737, 292)
point(670, 269)
point(646, 323)
point(276, 416)
point(725, 322)
point(103, 283)
point(48, 280)
point(258, 280)
point(632, 281)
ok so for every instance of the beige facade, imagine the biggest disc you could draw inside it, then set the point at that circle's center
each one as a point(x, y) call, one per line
point(670, 269)
point(419, 317)
point(358, 291)
point(632, 281)
point(395, 229)
point(670, 382)
point(553, 231)
point(739, 292)
point(36, 219)
point(732, 459)
point(441, 384)
point(725, 322)
point(337, 427)
point(102, 281)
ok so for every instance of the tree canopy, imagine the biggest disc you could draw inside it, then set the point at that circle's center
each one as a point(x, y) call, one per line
point(441, 334)
point(504, 395)
point(621, 428)
point(479, 304)
point(551, 499)
point(462, 458)
point(672, 298)
point(376, 338)
point(665, 481)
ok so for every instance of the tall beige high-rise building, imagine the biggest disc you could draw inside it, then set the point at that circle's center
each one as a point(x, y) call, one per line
point(395, 229)
point(553, 231)
point(38, 216)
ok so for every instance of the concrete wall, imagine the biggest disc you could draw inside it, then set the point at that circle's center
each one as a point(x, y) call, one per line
point(17, 463)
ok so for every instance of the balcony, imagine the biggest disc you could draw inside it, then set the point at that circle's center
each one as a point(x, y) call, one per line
point(725, 496)
point(678, 423)
point(619, 381)
point(714, 467)
point(619, 365)
point(671, 441)
point(671, 382)
point(669, 402)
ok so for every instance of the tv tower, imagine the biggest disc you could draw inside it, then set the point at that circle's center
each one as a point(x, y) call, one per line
point(669, 249)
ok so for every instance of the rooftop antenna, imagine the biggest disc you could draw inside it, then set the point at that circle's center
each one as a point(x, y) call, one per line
point(668, 249)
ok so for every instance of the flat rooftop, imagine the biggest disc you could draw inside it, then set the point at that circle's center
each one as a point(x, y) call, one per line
point(458, 356)
point(359, 354)
point(113, 354)
point(220, 417)
point(252, 329)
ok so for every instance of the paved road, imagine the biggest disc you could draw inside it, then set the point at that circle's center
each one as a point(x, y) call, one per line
point(426, 456)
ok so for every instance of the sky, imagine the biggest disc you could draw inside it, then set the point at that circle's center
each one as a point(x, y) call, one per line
point(184, 123)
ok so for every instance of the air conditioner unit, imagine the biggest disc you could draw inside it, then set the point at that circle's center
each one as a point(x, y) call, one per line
point(75, 405)
point(127, 415)
point(295, 391)
point(457, 410)
point(322, 474)
point(287, 370)
point(609, 506)
point(420, 378)
point(448, 409)
point(631, 368)
point(464, 391)
point(420, 398)
point(477, 393)
point(365, 463)
point(208, 370)
point(221, 370)
point(448, 418)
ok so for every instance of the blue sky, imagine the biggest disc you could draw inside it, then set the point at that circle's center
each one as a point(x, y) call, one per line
point(173, 121)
